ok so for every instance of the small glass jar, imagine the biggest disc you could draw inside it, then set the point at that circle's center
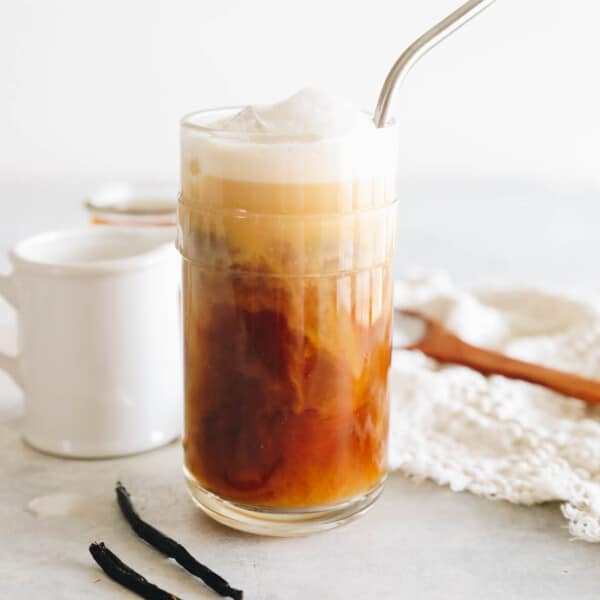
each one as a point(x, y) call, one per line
point(146, 205)
point(287, 252)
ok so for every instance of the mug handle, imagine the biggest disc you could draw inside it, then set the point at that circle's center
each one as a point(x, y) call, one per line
point(10, 364)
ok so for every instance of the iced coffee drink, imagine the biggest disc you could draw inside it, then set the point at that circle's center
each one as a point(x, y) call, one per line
point(286, 227)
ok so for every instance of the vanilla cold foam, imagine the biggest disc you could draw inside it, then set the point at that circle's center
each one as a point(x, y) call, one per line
point(308, 138)
point(286, 225)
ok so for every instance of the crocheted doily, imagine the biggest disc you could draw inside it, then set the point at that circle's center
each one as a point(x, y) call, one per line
point(496, 437)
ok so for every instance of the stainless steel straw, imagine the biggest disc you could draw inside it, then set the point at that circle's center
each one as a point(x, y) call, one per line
point(419, 48)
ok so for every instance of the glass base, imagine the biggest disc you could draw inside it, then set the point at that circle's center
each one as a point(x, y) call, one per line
point(281, 522)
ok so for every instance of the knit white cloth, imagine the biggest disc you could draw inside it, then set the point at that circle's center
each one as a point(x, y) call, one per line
point(496, 437)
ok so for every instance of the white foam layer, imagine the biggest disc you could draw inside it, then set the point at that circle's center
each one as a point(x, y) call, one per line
point(308, 115)
point(310, 137)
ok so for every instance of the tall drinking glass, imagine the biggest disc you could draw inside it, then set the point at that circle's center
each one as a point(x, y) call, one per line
point(287, 300)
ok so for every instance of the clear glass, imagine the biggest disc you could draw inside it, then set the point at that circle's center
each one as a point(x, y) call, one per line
point(287, 303)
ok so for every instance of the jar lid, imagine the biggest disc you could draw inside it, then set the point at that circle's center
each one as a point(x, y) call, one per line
point(148, 202)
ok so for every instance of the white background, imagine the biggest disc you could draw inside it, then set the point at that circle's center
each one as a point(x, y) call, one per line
point(97, 88)
point(500, 125)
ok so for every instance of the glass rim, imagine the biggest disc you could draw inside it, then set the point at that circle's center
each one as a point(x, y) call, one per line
point(186, 122)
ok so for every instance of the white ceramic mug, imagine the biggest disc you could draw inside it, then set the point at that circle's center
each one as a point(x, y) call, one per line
point(100, 357)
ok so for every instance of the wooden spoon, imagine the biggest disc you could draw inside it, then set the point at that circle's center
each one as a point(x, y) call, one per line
point(436, 341)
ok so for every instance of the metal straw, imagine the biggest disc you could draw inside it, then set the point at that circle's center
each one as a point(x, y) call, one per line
point(419, 48)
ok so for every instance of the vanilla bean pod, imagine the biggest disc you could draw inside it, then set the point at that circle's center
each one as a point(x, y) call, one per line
point(171, 548)
point(123, 574)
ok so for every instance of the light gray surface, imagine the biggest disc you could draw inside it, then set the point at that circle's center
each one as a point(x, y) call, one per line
point(420, 541)
point(480, 231)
